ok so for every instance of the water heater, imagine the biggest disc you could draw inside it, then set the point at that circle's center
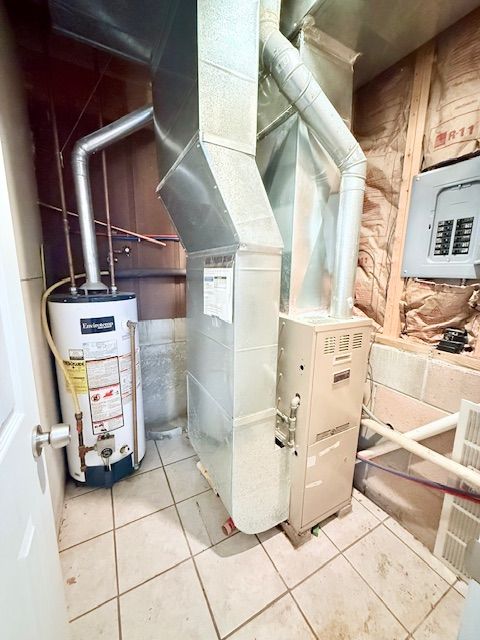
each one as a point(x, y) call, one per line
point(95, 335)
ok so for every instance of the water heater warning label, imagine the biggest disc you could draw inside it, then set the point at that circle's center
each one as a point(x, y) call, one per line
point(106, 408)
point(77, 374)
point(102, 372)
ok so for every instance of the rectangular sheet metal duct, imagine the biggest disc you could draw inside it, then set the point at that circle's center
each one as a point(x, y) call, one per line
point(205, 77)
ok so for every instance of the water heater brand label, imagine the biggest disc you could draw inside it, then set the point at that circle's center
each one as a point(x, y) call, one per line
point(97, 325)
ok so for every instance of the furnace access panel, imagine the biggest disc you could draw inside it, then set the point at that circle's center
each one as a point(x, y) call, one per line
point(443, 234)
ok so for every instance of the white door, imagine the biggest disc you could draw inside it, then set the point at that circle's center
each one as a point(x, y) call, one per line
point(32, 605)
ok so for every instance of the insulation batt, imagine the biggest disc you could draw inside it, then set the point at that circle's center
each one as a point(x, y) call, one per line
point(453, 118)
point(380, 126)
point(452, 130)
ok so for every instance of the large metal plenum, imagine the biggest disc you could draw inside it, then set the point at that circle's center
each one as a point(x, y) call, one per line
point(205, 78)
point(300, 178)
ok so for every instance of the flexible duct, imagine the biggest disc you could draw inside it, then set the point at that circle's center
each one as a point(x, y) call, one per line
point(296, 82)
point(84, 148)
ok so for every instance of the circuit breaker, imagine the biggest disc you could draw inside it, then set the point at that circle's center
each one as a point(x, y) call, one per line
point(443, 234)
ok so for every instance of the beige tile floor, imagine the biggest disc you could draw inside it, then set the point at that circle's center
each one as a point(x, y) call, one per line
point(148, 561)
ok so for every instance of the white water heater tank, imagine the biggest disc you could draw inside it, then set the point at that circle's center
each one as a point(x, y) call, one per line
point(93, 337)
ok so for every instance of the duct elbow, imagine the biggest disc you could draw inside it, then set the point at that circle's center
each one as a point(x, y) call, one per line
point(80, 157)
point(355, 163)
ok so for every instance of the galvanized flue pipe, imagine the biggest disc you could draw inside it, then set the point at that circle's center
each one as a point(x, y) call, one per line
point(84, 148)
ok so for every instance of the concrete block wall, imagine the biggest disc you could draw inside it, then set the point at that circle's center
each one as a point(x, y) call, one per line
point(407, 390)
point(163, 364)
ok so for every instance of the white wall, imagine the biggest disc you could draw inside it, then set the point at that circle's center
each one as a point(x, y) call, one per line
point(18, 151)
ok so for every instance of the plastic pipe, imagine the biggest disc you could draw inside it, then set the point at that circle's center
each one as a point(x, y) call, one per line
point(297, 83)
point(83, 149)
point(435, 428)
point(470, 476)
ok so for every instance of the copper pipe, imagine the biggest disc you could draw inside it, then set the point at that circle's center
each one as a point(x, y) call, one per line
point(104, 224)
point(66, 227)
point(132, 326)
point(82, 449)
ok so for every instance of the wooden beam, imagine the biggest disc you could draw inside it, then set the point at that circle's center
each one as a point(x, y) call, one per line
point(411, 166)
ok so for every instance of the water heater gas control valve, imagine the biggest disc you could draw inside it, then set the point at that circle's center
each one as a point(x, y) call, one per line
point(105, 445)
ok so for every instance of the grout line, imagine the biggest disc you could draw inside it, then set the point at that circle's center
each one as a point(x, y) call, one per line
point(195, 495)
point(192, 558)
point(126, 524)
point(423, 388)
point(431, 611)
point(174, 461)
point(157, 575)
point(289, 590)
point(116, 568)
point(364, 535)
point(245, 622)
point(207, 601)
point(85, 493)
point(119, 619)
point(77, 544)
point(93, 609)
point(170, 464)
point(159, 454)
point(450, 584)
point(377, 595)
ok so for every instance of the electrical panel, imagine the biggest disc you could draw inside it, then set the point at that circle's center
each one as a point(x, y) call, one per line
point(443, 234)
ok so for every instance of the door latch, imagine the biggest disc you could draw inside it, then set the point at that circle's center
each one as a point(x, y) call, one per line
point(58, 437)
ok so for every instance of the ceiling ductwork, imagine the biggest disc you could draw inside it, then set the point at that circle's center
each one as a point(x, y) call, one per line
point(383, 32)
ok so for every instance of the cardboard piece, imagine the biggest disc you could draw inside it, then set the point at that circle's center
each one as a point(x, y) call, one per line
point(428, 308)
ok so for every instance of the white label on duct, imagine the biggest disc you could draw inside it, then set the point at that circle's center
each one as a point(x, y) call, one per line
point(311, 461)
point(101, 349)
point(218, 292)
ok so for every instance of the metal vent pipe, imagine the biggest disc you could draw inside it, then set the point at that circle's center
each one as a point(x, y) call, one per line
point(82, 151)
point(297, 83)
